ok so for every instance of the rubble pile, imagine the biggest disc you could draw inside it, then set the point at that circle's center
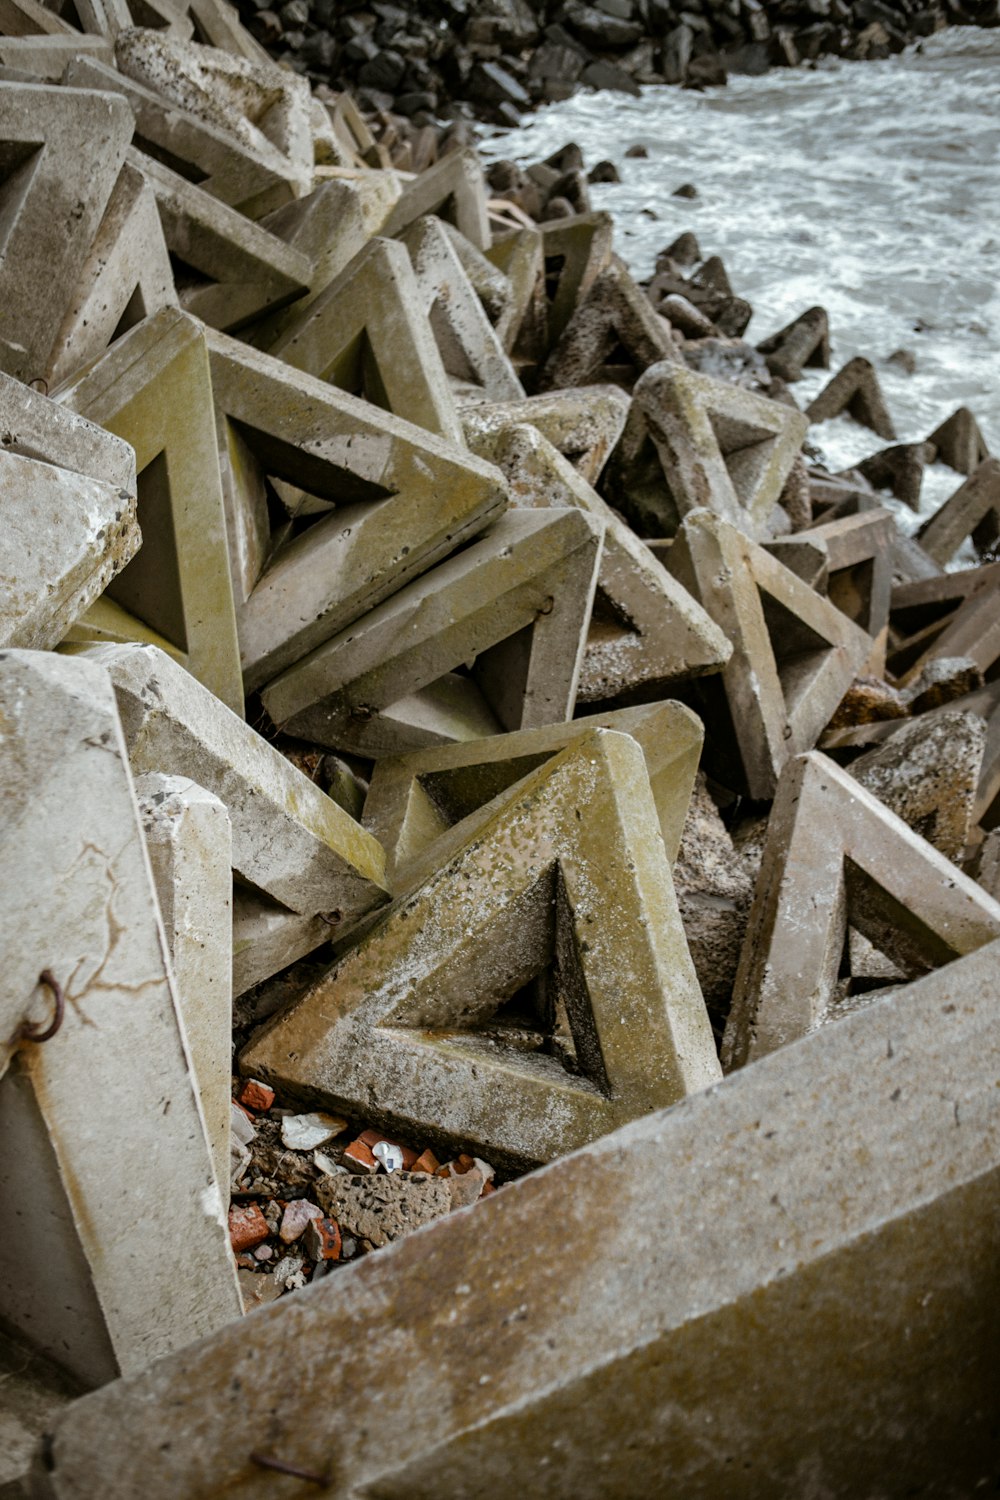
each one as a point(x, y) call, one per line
point(438, 667)
point(414, 66)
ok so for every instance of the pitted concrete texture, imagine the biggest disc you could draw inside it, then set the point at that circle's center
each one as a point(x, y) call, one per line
point(973, 510)
point(645, 630)
point(99, 1117)
point(153, 388)
point(368, 333)
point(613, 313)
point(242, 269)
point(453, 189)
point(581, 247)
point(855, 390)
point(714, 888)
point(189, 840)
point(733, 1261)
point(63, 151)
point(532, 994)
point(403, 499)
point(289, 839)
point(64, 538)
point(803, 343)
point(414, 799)
point(836, 856)
point(583, 424)
point(959, 442)
point(794, 654)
point(382, 1209)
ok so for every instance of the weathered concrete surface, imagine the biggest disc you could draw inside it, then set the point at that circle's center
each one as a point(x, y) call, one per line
point(189, 840)
point(973, 510)
point(45, 57)
point(38, 427)
point(735, 1260)
point(794, 653)
point(716, 445)
point(63, 149)
point(404, 498)
point(714, 887)
point(517, 600)
point(453, 189)
point(645, 630)
point(613, 313)
point(266, 938)
point(92, 1242)
point(583, 424)
point(126, 277)
point(289, 839)
point(568, 879)
point(242, 270)
point(854, 389)
point(858, 553)
point(835, 855)
point(928, 773)
point(522, 325)
point(970, 633)
point(959, 442)
point(805, 342)
point(414, 799)
point(63, 539)
point(153, 389)
point(578, 249)
point(368, 333)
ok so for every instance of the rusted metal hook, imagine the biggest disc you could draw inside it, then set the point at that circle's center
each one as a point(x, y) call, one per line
point(32, 1031)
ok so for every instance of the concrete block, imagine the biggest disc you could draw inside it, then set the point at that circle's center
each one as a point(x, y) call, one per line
point(218, 161)
point(470, 348)
point(858, 551)
point(219, 24)
point(716, 445)
point(267, 937)
point(535, 992)
point(88, 1141)
point(728, 1288)
point(973, 510)
point(645, 630)
point(584, 424)
point(899, 469)
point(959, 442)
point(972, 631)
point(803, 343)
point(856, 391)
point(38, 427)
point(368, 333)
point(126, 277)
point(235, 269)
point(44, 58)
point(713, 884)
point(836, 857)
point(928, 773)
point(64, 538)
point(289, 839)
point(578, 249)
point(403, 498)
point(453, 189)
point(522, 326)
point(63, 148)
point(517, 601)
point(414, 799)
point(794, 653)
point(32, 18)
point(614, 313)
point(153, 389)
point(189, 841)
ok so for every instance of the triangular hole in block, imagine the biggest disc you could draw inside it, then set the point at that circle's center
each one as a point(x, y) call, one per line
point(799, 651)
point(19, 161)
point(149, 587)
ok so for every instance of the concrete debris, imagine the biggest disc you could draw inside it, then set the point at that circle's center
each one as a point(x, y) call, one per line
point(417, 640)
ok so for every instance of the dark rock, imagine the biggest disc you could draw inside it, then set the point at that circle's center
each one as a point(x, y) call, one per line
point(603, 171)
point(604, 75)
point(597, 29)
point(686, 190)
point(494, 84)
point(638, 151)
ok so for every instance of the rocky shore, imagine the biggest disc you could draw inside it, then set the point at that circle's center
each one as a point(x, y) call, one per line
point(494, 59)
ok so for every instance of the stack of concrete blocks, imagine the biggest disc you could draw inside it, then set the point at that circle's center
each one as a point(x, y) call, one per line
point(660, 751)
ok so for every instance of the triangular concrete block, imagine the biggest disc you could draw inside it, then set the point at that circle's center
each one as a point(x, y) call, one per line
point(614, 315)
point(415, 799)
point(855, 390)
point(62, 152)
point(584, 424)
point(470, 349)
point(899, 469)
point(126, 277)
point(713, 444)
point(38, 427)
point(972, 631)
point(228, 269)
point(794, 654)
point(959, 442)
point(835, 857)
point(64, 538)
point(973, 510)
point(646, 630)
point(403, 499)
point(575, 251)
point(217, 24)
point(514, 604)
point(368, 333)
point(88, 1139)
point(153, 388)
point(290, 840)
point(803, 343)
point(522, 327)
point(453, 189)
point(458, 1036)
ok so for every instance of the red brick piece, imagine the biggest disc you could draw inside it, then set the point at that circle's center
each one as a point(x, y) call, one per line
point(426, 1162)
point(322, 1239)
point(247, 1226)
point(358, 1156)
point(255, 1096)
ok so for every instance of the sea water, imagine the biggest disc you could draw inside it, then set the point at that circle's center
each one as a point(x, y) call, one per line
point(872, 189)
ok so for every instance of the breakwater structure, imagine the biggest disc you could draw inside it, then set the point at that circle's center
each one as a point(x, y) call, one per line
point(500, 845)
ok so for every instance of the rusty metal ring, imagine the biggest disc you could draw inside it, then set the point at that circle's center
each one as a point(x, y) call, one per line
point(31, 1031)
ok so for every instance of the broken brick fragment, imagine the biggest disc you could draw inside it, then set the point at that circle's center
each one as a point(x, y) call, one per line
point(255, 1096)
point(426, 1162)
point(322, 1240)
point(247, 1226)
